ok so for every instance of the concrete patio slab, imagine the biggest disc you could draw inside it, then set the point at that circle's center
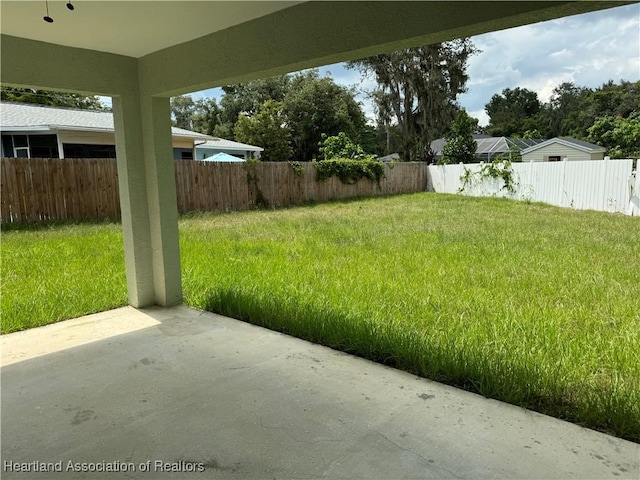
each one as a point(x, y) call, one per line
point(180, 393)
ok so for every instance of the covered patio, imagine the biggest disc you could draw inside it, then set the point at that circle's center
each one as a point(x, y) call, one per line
point(197, 395)
point(160, 382)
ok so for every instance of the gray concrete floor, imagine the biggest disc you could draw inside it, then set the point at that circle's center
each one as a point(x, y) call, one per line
point(180, 389)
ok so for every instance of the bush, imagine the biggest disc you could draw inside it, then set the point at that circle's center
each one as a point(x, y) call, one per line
point(350, 171)
point(341, 146)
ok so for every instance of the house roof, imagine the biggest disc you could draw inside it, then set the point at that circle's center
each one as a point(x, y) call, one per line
point(222, 144)
point(491, 145)
point(568, 142)
point(30, 117)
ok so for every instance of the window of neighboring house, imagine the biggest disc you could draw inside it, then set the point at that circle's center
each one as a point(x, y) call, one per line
point(43, 146)
point(187, 155)
point(554, 158)
point(30, 146)
point(20, 146)
point(81, 150)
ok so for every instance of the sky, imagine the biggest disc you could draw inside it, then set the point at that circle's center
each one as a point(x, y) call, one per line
point(587, 49)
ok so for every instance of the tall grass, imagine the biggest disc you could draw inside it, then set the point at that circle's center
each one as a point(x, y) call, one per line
point(534, 305)
point(58, 272)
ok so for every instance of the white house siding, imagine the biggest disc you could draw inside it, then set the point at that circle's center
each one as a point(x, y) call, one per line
point(88, 138)
point(557, 149)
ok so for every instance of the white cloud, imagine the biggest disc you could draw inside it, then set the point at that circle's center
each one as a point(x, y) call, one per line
point(587, 49)
point(481, 115)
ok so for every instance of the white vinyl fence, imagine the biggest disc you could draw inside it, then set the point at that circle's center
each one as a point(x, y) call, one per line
point(606, 185)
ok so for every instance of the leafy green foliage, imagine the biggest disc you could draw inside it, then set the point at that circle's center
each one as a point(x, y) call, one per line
point(341, 146)
point(418, 87)
point(254, 183)
point(268, 129)
point(245, 99)
point(620, 136)
point(182, 110)
point(350, 171)
point(316, 106)
point(54, 99)
point(498, 169)
point(570, 112)
point(308, 107)
point(460, 147)
point(207, 116)
point(513, 112)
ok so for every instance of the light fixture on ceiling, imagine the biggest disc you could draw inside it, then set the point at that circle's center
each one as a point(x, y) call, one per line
point(47, 18)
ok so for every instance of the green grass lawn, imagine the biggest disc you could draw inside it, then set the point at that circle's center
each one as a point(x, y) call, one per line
point(534, 305)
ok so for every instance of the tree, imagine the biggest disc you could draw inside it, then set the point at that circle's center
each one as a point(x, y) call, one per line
point(183, 110)
point(460, 147)
point(206, 116)
point(54, 99)
point(564, 111)
point(246, 99)
point(316, 106)
point(513, 113)
point(417, 90)
point(267, 128)
point(620, 136)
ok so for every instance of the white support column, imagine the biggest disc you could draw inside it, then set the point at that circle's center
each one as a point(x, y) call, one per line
point(148, 200)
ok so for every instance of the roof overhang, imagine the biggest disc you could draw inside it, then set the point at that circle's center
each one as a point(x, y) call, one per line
point(565, 143)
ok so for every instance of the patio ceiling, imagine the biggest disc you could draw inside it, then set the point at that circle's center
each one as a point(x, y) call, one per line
point(143, 27)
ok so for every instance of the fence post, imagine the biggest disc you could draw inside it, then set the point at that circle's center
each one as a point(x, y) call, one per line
point(603, 180)
point(563, 185)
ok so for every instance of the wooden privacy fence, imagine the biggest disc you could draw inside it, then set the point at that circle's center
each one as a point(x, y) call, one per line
point(38, 189)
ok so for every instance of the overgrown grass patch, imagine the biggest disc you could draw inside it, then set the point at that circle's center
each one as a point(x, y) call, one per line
point(526, 303)
point(56, 272)
point(534, 305)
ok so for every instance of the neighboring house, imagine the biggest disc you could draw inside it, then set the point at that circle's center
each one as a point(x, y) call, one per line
point(561, 148)
point(239, 150)
point(30, 130)
point(490, 147)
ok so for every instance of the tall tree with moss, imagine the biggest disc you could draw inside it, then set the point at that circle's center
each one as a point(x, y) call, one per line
point(418, 90)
